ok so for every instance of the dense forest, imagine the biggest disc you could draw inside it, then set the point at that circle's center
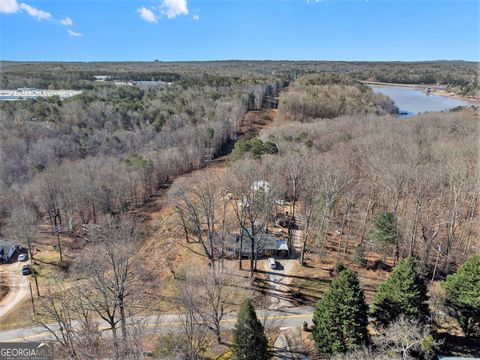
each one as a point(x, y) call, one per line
point(391, 197)
point(458, 76)
point(122, 141)
point(331, 95)
point(422, 170)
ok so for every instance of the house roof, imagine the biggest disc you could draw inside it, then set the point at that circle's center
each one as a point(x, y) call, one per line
point(228, 240)
point(263, 241)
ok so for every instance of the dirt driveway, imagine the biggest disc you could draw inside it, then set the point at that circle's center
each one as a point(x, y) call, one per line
point(11, 277)
point(278, 281)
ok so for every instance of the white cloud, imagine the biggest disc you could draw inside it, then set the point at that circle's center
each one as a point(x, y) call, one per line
point(11, 7)
point(168, 8)
point(196, 17)
point(73, 33)
point(147, 15)
point(8, 6)
point(173, 8)
point(39, 14)
point(67, 21)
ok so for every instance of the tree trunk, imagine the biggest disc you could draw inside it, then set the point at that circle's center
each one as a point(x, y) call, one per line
point(116, 352)
point(415, 227)
point(252, 256)
point(123, 320)
point(302, 256)
point(240, 251)
point(59, 245)
point(365, 220)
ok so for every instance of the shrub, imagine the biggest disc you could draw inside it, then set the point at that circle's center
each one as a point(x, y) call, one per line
point(339, 267)
point(358, 256)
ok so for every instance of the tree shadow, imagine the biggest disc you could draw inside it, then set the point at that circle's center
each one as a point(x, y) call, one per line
point(460, 345)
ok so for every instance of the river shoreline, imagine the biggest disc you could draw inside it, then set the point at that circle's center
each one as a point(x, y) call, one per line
point(423, 87)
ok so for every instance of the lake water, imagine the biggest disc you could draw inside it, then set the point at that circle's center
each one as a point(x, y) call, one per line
point(412, 101)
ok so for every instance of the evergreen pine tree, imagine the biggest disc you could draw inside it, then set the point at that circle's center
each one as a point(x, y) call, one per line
point(358, 256)
point(384, 232)
point(250, 342)
point(404, 292)
point(463, 295)
point(341, 316)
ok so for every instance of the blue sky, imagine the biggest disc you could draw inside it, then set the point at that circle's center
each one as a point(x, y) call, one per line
point(92, 30)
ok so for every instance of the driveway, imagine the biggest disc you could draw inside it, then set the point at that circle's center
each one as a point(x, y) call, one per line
point(11, 277)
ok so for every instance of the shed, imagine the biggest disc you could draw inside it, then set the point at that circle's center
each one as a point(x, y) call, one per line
point(282, 248)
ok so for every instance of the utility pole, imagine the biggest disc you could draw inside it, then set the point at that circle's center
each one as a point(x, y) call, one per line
point(31, 297)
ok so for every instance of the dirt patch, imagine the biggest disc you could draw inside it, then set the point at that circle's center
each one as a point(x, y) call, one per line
point(254, 122)
point(311, 281)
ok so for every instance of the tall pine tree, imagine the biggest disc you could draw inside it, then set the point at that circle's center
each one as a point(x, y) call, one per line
point(341, 316)
point(384, 233)
point(404, 292)
point(250, 342)
point(463, 295)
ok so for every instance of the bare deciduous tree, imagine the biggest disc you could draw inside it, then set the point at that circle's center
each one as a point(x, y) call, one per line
point(252, 202)
point(404, 338)
point(108, 275)
point(199, 203)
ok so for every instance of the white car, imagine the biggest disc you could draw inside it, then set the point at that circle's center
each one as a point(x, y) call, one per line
point(272, 263)
point(23, 257)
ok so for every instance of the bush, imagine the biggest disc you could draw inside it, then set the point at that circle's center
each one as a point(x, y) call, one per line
point(339, 267)
point(64, 265)
point(255, 147)
point(379, 265)
point(358, 256)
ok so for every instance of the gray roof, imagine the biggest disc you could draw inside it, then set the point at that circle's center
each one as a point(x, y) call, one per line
point(262, 242)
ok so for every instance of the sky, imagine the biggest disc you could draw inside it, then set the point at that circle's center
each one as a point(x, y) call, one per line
point(171, 30)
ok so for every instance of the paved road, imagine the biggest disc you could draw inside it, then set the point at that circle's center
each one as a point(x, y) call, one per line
point(171, 323)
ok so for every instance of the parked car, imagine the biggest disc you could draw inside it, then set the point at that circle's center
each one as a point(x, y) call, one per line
point(26, 270)
point(23, 257)
point(272, 263)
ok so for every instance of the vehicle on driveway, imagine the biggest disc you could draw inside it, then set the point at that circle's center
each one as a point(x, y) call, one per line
point(23, 257)
point(272, 263)
point(26, 270)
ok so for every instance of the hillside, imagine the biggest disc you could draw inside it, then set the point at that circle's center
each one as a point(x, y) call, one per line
point(169, 202)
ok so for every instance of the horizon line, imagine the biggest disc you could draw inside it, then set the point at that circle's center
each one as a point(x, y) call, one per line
point(238, 60)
